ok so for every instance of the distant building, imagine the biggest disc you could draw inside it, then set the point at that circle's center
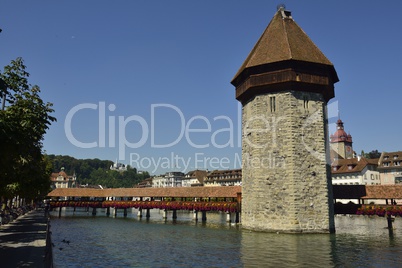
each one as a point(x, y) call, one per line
point(158, 181)
point(341, 143)
point(170, 179)
point(90, 186)
point(118, 167)
point(145, 183)
point(355, 171)
point(231, 177)
point(174, 179)
point(62, 180)
point(194, 178)
point(347, 169)
point(390, 167)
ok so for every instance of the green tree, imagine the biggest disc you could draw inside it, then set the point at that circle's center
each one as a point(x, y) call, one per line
point(372, 155)
point(24, 120)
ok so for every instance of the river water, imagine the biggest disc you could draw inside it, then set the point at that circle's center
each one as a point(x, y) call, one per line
point(83, 240)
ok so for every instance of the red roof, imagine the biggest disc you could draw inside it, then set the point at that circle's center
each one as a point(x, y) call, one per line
point(383, 192)
point(223, 191)
point(340, 135)
point(352, 165)
point(391, 161)
point(55, 175)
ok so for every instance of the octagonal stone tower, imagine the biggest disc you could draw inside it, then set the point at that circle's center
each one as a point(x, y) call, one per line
point(284, 86)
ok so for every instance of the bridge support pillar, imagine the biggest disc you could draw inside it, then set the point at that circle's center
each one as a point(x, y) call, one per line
point(164, 216)
point(139, 214)
point(237, 220)
point(389, 221)
point(115, 212)
point(204, 216)
point(195, 217)
point(228, 217)
point(107, 211)
point(59, 212)
point(174, 214)
point(148, 215)
point(93, 211)
point(125, 212)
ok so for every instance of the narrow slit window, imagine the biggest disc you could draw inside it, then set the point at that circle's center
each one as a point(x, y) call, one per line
point(305, 103)
point(273, 104)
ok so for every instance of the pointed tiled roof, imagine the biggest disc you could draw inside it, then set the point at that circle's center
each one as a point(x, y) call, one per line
point(283, 39)
point(284, 47)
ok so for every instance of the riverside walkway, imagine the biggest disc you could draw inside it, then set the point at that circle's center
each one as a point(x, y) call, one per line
point(23, 241)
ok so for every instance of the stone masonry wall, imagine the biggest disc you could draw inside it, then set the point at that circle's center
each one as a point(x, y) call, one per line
point(285, 172)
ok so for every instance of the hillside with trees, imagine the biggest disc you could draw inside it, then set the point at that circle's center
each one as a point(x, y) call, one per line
point(97, 172)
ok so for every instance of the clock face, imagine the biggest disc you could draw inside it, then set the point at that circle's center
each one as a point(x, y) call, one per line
point(349, 152)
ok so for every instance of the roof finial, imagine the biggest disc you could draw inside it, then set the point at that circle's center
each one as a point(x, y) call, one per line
point(280, 7)
point(286, 14)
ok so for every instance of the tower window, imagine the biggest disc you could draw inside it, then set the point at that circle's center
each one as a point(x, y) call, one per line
point(305, 103)
point(272, 104)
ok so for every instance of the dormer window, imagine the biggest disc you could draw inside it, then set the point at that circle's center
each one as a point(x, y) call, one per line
point(386, 164)
point(386, 157)
point(350, 167)
point(395, 156)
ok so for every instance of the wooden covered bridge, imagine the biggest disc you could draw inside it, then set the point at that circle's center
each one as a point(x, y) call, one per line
point(198, 199)
point(202, 199)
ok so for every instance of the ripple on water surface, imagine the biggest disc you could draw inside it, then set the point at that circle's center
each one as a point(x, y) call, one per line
point(129, 242)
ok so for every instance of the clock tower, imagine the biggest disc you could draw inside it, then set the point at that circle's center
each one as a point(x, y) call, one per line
point(341, 142)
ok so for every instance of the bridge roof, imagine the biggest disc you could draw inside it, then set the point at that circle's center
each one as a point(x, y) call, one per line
point(383, 192)
point(347, 191)
point(391, 191)
point(223, 191)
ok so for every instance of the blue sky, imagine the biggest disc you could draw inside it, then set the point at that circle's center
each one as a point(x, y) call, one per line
point(164, 67)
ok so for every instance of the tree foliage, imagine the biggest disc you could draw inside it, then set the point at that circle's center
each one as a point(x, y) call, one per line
point(24, 120)
point(372, 155)
point(97, 172)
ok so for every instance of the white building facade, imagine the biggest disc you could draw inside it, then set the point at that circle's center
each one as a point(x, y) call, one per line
point(355, 171)
point(170, 179)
